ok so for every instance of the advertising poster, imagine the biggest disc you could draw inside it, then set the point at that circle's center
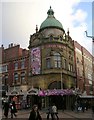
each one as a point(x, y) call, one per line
point(35, 60)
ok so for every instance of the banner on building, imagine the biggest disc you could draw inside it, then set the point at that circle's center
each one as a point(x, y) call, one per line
point(35, 60)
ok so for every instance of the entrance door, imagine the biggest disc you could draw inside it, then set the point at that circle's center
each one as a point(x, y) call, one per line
point(59, 101)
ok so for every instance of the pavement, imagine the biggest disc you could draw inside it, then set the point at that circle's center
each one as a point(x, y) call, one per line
point(67, 114)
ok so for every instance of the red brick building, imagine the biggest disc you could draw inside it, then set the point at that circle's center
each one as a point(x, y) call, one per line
point(84, 69)
point(14, 67)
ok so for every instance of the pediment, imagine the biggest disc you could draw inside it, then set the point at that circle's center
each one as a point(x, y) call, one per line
point(33, 91)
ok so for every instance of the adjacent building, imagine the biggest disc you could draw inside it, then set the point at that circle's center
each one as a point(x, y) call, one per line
point(84, 69)
point(14, 68)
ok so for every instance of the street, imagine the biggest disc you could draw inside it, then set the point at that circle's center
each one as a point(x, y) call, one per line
point(67, 114)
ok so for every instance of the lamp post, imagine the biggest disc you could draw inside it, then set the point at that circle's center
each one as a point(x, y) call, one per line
point(61, 74)
point(6, 87)
point(61, 78)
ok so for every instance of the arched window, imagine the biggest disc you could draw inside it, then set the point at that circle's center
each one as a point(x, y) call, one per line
point(15, 78)
point(22, 64)
point(51, 37)
point(48, 62)
point(23, 81)
point(16, 65)
point(57, 60)
point(65, 63)
point(61, 38)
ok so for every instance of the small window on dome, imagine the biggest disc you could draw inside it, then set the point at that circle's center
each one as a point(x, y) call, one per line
point(51, 37)
point(61, 38)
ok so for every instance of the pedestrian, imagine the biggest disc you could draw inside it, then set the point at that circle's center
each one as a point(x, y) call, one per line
point(63, 104)
point(49, 112)
point(13, 109)
point(63, 107)
point(83, 106)
point(92, 105)
point(55, 112)
point(76, 106)
point(6, 108)
point(87, 105)
point(93, 109)
point(72, 107)
point(34, 114)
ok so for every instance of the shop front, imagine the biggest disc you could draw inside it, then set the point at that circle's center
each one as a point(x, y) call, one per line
point(33, 98)
point(17, 97)
point(63, 98)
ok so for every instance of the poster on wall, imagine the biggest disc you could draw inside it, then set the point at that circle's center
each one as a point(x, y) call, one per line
point(35, 60)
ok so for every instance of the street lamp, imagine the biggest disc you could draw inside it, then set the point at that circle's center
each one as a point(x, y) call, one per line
point(61, 74)
point(5, 84)
point(61, 78)
point(89, 36)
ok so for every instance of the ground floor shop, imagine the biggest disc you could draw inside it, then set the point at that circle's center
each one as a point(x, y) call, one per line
point(63, 98)
point(62, 102)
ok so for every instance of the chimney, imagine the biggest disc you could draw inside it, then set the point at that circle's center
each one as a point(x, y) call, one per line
point(68, 32)
point(2, 46)
point(11, 44)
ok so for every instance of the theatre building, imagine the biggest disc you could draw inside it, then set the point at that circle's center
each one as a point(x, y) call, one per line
point(49, 71)
point(52, 59)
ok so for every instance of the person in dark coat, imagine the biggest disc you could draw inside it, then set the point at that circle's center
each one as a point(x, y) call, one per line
point(34, 114)
point(83, 106)
point(6, 109)
point(13, 109)
point(92, 106)
point(49, 112)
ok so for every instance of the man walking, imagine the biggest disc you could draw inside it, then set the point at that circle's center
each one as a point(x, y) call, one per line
point(6, 109)
point(54, 109)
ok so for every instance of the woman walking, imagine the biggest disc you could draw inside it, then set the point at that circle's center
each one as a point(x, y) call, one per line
point(13, 109)
point(6, 109)
point(34, 114)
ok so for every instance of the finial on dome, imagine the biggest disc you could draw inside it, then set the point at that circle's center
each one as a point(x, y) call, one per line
point(68, 32)
point(36, 28)
point(50, 11)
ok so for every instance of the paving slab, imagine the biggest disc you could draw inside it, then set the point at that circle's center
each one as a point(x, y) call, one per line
point(66, 115)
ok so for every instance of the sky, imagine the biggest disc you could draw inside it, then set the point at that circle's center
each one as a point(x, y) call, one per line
point(20, 17)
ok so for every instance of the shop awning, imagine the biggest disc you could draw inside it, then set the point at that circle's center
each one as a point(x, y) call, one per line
point(87, 96)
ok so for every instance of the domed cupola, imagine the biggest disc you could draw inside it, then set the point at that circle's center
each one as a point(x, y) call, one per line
point(51, 21)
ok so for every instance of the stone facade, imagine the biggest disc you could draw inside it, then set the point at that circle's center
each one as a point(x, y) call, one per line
point(57, 58)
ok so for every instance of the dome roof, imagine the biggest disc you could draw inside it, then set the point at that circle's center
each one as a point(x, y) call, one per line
point(51, 21)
